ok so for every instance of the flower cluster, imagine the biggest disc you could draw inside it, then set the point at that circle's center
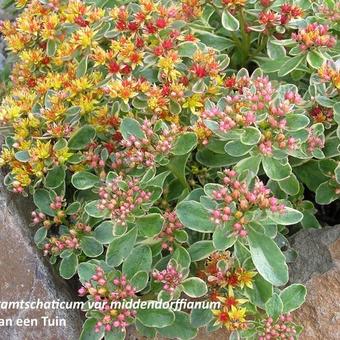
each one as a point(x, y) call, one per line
point(322, 114)
point(171, 224)
point(119, 120)
point(313, 36)
point(283, 328)
point(330, 13)
point(170, 277)
point(223, 284)
point(143, 151)
point(104, 290)
point(330, 72)
point(121, 198)
point(255, 100)
point(56, 245)
point(235, 199)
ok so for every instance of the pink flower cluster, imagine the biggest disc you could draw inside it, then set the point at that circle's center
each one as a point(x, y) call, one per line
point(255, 96)
point(289, 12)
point(57, 203)
point(38, 217)
point(100, 289)
point(94, 160)
point(122, 202)
point(171, 224)
point(170, 277)
point(235, 199)
point(314, 142)
point(56, 245)
point(313, 36)
point(143, 151)
point(280, 329)
point(332, 14)
point(225, 122)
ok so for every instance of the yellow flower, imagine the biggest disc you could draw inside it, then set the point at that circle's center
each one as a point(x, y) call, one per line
point(237, 314)
point(63, 155)
point(21, 3)
point(193, 102)
point(245, 278)
point(222, 318)
point(42, 150)
point(21, 176)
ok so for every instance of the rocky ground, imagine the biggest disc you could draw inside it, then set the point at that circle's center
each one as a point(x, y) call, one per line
point(26, 275)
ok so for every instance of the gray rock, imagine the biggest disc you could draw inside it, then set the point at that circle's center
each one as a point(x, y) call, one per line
point(314, 256)
point(26, 275)
point(318, 267)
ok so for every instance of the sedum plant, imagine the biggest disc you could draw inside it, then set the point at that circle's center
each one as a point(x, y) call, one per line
point(171, 147)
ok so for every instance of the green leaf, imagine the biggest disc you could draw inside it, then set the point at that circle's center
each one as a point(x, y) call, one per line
point(182, 257)
point(222, 238)
point(195, 217)
point(293, 297)
point(325, 194)
point(42, 200)
point(251, 163)
point(237, 148)
point(310, 174)
point(290, 65)
point(89, 333)
point(215, 160)
point(91, 209)
point(261, 292)
point(296, 122)
point(90, 246)
point(82, 67)
point(68, 266)
point(250, 136)
point(268, 258)
point(40, 235)
point(150, 225)
point(140, 259)
point(229, 22)
point(120, 248)
point(139, 280)
point(275, 169)
point(288, 217)
point(85, 271)
point(82, 137)
point(201, 250)
point(200, 317)
point(55, 177)
point(51, 48)
point(315, 59)
point(215, 41)
point(184, 143)
point(131, 127)
point(194, 287)
point(145, 331)
point(337, 173)
point(115, 334)
point(274, 306)
point(275, 51)
point(187, 49)
point(290, 185)
point(84, 180)
point(181, 328)
point(22, 156)
point(159, 318)
point(104, 232)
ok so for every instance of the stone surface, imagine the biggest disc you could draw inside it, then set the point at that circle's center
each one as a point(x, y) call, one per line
point(318, 267)
point(5, 14)
point(25, 275)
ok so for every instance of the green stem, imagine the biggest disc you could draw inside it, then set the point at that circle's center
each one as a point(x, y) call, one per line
point(178, 176)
